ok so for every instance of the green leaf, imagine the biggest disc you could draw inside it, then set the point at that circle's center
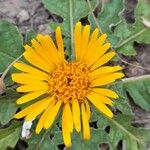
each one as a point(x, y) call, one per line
point(9, 136)
point(10, 47)
point(98, 137)
point(139, 90)
point(133, 138)
point(123, 35)
point(67, 44)
point(122, 103)
point(106, 21)
point(41, 142)
point(29, 36)
point(120, 128)
point(8, 106)
point(128, 33)
point(11, 44)
point(61, 8)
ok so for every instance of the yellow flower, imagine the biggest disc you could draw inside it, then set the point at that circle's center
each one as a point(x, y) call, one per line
point(71, 86)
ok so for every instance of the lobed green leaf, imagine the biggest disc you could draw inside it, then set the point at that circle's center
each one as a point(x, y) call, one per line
point(61, 8)
point(8, 106)
point(139, 90)
point(9, 136)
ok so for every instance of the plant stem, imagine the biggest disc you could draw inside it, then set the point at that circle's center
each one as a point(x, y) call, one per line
point(9, 67)
point(136, 78)
point(92, 13)
point(71, 28)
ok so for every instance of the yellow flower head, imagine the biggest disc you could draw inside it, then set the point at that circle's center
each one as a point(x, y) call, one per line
point(71, 86)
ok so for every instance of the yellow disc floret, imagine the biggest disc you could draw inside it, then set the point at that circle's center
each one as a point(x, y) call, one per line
point(70, 81)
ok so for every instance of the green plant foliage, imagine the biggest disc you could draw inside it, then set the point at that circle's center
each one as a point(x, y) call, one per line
point(122, 103)
point(61, 8)
point(8, 106)
point(133, 138)
point(10, 47)
point(109, 15)
point(110, 131)
point(10, 44)
point(9, 136)
point(98, 136)
point(120, 129)
point(121, 34)
point(139, 90)
point(41, 142)
point(29, 36)
point(128, 33)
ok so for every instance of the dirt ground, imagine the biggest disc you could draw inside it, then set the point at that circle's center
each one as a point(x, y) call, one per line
point(31, 14)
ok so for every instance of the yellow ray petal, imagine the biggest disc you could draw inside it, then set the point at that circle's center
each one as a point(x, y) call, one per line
point(59, 41)
point(38, 109)
point(96, 49)
point(91, 44)
point(24, 81)
point(118, 75)
point(108, 78)
point(100, 41)
point(33, 87)
point(94, 35)
point(85, 36)
point(44, 53)
point(25, 78)
point(102, 81)
point(28, 109)
point(87, 109)
point(97, 53)
point(76, 115)
point(30, 70)
point(30, 96)
point(35, 60)
point(66, 137)
point(77, 40)
point(41, 122)
point(105, 69)
point(99, 98)
point(68, 114)
point(85, 123)
point(52, 115)
point(49, 45)
point(43, 118)
point(101, 107)
point(103, 60)
point(90, 48)
point(84, 40)
point(105, 92)
point(42, 60)
point(65, 131)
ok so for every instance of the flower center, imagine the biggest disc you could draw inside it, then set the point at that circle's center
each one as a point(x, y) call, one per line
point(70, 81)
